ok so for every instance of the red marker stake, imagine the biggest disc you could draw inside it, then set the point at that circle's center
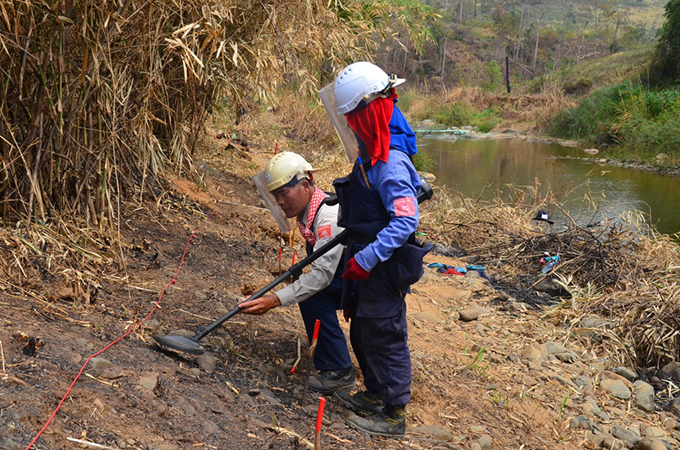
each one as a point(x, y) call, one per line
point(276, 148)
point(319, 419)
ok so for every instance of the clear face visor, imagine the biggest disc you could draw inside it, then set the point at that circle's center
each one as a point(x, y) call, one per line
point(345, 133)
point(260, 181)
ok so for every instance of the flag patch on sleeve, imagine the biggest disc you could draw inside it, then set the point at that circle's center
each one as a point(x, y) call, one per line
point(324, 231)
point(404, 207)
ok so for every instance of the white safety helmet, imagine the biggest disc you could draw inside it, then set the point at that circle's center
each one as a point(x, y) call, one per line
point(361, 81)
point(285, 166)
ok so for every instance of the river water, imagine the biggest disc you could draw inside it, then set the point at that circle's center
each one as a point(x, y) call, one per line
point(484, 169)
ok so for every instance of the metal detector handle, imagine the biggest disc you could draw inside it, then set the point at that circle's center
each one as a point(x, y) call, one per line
point(295, 269)
point(217, 323)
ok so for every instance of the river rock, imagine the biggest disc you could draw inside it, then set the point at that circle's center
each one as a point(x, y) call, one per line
point(582, 422)
point(99, 363)
point(565, 381)
point(644, 396)
point(584, 383)
point(591, 407)
point(468, 314)
point(616, 388)
point(534, 352)
point(553, 288)
point(74, 357)
point(655, 432)
point(594, 439)
point(627, 373)
point(609, 375)
point(670, 423)
point(626, 435)
point(485, 442)
point(500, 296)
point(149, 382)
point(652, 444)
point(207, 362)
point(482, 311)
point(182, 332)
point(427, 176)
point(427, 317)
point(592, 326)
point(433, 431)
point(611, 443)
point(671, 370)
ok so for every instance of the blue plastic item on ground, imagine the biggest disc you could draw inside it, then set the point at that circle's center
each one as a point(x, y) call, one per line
point(548, 267)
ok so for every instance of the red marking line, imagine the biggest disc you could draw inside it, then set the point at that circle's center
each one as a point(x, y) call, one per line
point(68, 391)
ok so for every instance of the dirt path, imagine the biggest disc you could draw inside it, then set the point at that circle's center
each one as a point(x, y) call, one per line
point(488, 371)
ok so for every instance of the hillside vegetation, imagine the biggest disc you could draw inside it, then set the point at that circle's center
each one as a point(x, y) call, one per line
point(577, 70)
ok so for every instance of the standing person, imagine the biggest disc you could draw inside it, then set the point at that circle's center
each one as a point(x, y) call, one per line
point(379, 206)
point(289, 179)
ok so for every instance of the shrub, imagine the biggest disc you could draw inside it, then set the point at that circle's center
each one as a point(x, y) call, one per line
point(486, 120)
point(644, 121)
point(493, 75)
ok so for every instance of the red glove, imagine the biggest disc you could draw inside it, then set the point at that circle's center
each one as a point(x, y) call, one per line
point(354, 272)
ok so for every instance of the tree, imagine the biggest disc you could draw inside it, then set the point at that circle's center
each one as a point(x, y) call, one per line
point(665, 67)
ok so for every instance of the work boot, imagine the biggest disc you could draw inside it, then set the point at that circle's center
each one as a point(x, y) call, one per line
point(389, 423)
point(361, 402)
point(329, 381)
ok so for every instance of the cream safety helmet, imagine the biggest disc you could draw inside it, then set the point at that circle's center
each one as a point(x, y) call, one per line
point(285, 167)
point(361, 81)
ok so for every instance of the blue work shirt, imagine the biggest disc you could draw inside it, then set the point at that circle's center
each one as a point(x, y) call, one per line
point(396, 179)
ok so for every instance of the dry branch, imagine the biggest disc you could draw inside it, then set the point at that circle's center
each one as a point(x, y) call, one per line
point(621, 270)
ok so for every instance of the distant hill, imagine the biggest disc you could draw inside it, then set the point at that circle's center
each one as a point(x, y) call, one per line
point(471, 39)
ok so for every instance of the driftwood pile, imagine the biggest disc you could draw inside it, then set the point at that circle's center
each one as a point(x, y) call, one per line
point(618, 269)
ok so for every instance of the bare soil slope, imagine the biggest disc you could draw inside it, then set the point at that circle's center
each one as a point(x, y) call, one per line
point(495, 374)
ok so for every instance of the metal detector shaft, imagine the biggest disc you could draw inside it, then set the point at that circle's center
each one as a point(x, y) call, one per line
point(295, 270)
point(425, 193)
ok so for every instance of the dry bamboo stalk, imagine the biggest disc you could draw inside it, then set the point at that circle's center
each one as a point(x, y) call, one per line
point(2, 355)
point(89, 444)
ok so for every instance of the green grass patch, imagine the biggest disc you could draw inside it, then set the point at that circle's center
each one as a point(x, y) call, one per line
point(423, 162)
point(640, 122)
point(457, 114)
point(486, 120)
point(578, 79)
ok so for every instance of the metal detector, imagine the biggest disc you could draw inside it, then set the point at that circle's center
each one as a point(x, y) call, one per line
point(191, 345)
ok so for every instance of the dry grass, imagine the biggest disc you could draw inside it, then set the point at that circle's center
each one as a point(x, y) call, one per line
point(98, 98)
point(529, 112)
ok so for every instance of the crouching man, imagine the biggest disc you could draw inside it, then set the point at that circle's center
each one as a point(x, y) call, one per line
point(289, 178)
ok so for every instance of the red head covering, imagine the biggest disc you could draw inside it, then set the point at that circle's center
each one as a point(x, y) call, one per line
point(372, 125)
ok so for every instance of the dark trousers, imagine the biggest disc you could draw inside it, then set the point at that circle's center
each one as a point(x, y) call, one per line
point(381, 348)
point(331, 350)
